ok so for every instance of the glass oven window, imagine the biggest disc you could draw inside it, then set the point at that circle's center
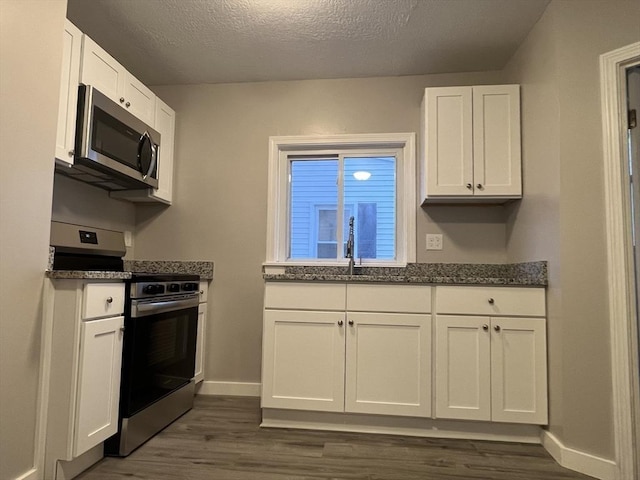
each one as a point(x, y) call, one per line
point(159, 356)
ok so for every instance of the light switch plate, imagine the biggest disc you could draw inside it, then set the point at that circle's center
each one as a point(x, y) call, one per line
point(434, 241)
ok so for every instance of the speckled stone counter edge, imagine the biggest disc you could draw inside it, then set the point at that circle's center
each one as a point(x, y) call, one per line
point(529, 273)
point(202, 268)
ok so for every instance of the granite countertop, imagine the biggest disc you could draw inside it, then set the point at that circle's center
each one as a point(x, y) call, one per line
point(529, 273)
point(202, 268)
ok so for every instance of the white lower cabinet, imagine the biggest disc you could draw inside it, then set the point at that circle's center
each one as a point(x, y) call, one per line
point(303, 360)
point(388, 364)
point(99, 377)
point(343, 360)
point(201, 334)
point(86, 331)
point(490, 367)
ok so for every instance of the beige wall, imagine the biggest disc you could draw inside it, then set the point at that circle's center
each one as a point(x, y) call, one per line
point(561, 217)
point(83, 204)
point(31, 53)
point(219, 210)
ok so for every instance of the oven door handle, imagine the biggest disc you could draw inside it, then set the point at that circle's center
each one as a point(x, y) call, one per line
point(144, 309)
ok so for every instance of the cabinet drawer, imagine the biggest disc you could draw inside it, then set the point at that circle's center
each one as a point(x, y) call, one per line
point(305, 296)
point(389, 298)
point(102, 300)
point(492, 301)
point(204, 291)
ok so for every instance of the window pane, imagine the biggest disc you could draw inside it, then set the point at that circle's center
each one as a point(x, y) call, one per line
point(370, 187)
point(313, 216)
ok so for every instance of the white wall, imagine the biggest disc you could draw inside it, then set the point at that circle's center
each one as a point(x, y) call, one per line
point(561, 217)
point(31, 53)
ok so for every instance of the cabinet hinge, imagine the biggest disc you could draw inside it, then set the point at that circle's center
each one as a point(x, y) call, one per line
point(633, 119)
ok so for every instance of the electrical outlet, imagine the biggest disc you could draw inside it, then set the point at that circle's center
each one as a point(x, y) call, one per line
point(434, 241)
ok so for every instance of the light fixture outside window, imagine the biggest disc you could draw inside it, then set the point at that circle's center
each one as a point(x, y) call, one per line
point(361, 175)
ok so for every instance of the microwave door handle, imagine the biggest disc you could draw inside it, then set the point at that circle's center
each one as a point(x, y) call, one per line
point(154, 161)
point(144, 138)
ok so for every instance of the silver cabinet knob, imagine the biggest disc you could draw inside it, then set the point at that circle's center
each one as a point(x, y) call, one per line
point(485, 327)
point(128, 104)
point(109, 299)
point(491, 301)
point(71, 153)
point(469, 186)
point(340, 323)
point(497, 328)
point(201, 292)
point(121, 99)
point(351, 323)
point(479, 186)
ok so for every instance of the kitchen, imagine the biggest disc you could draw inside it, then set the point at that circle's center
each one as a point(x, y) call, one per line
point(561, 145)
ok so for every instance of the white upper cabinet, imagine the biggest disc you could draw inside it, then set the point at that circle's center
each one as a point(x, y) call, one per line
point(102, 71)
point(471, 144)
point(69, 79)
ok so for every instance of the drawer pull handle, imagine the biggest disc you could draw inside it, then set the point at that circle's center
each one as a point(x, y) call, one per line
point(485, 327)
point(497, 328)
point(491, 301)
point(340, 323)
point(109, 299)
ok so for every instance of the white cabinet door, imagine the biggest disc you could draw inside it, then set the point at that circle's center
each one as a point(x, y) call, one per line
point(519, 370)
point(69, 81)
point(98, 382)
point(101, 70)
point(471, 146)
point(463, 370)
point(139, 100)
point(388, 364)
point(303, 360)
point(449, 141)
point(496, 141)
point(200, 339)
point(165, 124)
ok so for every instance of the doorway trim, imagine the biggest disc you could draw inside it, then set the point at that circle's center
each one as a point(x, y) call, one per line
point(620, 274)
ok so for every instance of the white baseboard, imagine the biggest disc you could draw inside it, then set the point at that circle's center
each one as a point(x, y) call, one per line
point(582, 462)
point(30, 475)
point(240, 389)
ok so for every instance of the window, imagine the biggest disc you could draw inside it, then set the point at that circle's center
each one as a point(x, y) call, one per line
point(318, 184)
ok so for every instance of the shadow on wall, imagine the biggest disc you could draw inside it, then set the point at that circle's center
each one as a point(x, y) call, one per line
point(469, 229)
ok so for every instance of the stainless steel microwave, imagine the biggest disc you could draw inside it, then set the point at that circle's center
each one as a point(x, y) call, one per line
point(114, 149)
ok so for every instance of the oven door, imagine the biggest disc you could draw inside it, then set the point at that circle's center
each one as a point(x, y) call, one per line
point(159, 350)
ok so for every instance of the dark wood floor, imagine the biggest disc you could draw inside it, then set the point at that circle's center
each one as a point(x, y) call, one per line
point(220, 439)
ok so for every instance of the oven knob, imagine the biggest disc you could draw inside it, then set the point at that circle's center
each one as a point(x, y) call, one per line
point(190, 287)
point(153, 289)
point(174, 287)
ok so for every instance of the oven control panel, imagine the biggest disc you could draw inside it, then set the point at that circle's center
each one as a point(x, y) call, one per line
point(157, 286)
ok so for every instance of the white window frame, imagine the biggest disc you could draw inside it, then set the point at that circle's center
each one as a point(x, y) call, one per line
point(281, 147)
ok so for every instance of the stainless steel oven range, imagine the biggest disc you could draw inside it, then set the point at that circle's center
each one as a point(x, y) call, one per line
point(159, 342)
point(158, 360)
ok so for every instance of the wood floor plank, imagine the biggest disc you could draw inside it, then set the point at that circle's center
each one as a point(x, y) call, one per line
point(220, 439)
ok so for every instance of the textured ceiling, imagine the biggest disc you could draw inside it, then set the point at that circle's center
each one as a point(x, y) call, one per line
point(217, 41)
